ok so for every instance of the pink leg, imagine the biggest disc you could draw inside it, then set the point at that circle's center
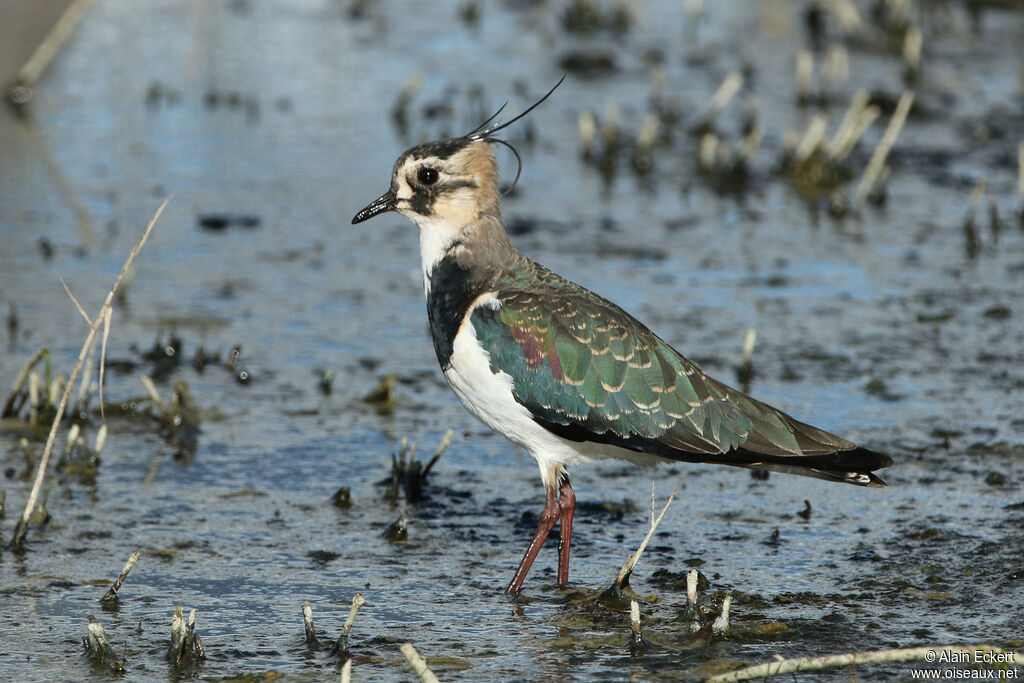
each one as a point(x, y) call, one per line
point(567, 506)
point(548, 516)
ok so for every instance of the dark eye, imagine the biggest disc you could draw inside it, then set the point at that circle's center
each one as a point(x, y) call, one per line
point(427, 175)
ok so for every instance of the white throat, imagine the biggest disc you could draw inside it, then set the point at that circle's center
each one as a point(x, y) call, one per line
point(436, 240)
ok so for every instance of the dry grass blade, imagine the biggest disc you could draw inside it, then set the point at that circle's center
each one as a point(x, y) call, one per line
point(22, 527)
point(84, 385)
point(786, 666)
point(88, 320)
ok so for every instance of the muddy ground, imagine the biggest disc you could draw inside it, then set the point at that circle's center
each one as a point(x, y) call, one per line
point(898, 325)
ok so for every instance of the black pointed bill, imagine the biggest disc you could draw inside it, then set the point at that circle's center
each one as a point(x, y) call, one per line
point(385, 202)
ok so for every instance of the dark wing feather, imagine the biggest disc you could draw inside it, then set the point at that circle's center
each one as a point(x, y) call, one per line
point(588, 371)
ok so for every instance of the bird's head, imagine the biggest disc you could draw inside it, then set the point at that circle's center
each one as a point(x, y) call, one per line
point(451, 182)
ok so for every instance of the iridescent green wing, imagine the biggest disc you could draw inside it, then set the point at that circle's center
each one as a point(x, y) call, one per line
point(589, 371)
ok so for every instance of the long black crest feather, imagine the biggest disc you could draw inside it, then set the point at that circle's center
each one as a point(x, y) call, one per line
point(485, 132)
point(482, 132)
point(472, 134)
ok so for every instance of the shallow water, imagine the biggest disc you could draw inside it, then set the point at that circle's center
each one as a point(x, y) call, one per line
point(881, 327)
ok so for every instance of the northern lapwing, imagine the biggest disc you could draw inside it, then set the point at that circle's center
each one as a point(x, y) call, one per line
point(563, 372)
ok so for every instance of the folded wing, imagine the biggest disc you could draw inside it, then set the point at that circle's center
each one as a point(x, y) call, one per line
point(588, 371)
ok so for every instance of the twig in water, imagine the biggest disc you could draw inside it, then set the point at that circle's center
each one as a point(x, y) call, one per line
point(847, 15)
point(10, 410)
point(96, 638)
point(153, 392)
point(812, 139)
point(346, 671)
point(912, 43)
point(98, 647)
point(749, 339)
point(745, 372)
point(622, 579)
point(419, 664)
point(185, 643)
point(692, 578)
point(72, 438)
point(33, 399)
point(726, 91)
point(645, 140)
point(909, 654)
point(694, 611)
point(804, 77)
point(111, 594)
point(307, 618)
point(101, 440)
point(872, 183)
point(636, 644)
point(21, 91)
point(859, 115)
point(835, 71)
point(720, 627)
point(22, 527)
point(357, 602)
point(441, 448)
point(409, 474)
point(588, 133)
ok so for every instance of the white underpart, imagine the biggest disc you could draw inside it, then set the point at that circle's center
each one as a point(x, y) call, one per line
point(488, 396)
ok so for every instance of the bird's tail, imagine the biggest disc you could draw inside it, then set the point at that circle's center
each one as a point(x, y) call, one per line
point(853, 466)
